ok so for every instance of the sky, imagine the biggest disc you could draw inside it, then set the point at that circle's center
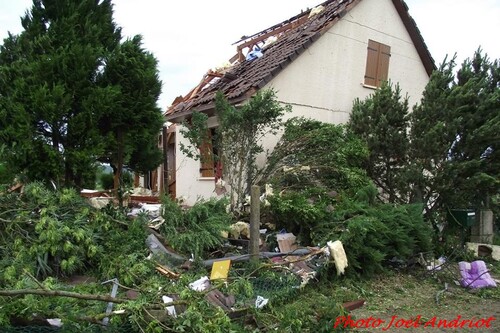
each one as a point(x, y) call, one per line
point(190, 37)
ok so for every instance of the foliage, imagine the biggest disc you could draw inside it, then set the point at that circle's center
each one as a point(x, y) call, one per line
point(105, 180)
point(50, 101)
point(382, 121)
point(238, 138)
point(454, 136)
point(46, 234)
point(124, 251)
point(300, 211)
point(315, 154)
point(197, 229)
point(132, 123)
point(374, 234)
point(120, 252)
point(6, 176)
point(313, 310)
point(71, 94)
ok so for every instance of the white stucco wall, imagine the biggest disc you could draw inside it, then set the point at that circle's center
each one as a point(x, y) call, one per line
point(190, 186)
point(324, 80)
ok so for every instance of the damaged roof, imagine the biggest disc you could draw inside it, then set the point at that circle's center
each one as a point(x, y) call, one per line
point(295, 35)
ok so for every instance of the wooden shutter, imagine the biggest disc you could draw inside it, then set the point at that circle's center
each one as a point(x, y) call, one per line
point(207, 157)
point(377, 63)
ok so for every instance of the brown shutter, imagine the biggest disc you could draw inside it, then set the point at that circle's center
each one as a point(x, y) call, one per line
point(377, 63)
point(207, 158)
point(383, 64)
point(371, 63)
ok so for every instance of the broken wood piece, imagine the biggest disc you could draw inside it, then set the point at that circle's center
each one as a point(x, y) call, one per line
point(353, 305)
point(217, 298)
point(167, 272)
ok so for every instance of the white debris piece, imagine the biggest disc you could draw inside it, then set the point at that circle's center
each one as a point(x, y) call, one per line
point(201, 284)
point(338, 254)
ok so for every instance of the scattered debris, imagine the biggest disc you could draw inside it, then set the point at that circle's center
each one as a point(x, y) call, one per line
point(56, 322)
point(286, 242)
point(152, 210)
point(316, 11)
point(475, 275)
point(109, 308)
point(260, 302)
point(220, 270)
point(170, 309)
point(254, 54)
point(201, 284)
point(156, 247)
point(436, 264)
point(167, 272)
point(338, 255)
point(240, 229)
point(476, 247)
point(217, 298)
point(353, 305)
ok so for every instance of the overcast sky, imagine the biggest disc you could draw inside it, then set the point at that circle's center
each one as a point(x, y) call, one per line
point(189, 37)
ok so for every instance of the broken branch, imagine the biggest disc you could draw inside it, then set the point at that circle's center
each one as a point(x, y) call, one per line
point(60, 293)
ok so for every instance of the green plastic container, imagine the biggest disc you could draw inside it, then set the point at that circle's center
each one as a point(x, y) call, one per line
point(464, 217)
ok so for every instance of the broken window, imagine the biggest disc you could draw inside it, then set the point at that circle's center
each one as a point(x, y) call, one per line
point(377, 63)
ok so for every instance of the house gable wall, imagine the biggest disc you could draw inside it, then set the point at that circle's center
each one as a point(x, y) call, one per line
point(323, 81)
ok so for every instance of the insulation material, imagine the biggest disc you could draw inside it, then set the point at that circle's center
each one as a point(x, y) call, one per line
point(316, 11)
point(269, 41)
point(240, 229)
point(338, 254)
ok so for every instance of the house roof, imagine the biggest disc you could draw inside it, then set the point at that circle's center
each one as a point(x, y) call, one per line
point(295, 35)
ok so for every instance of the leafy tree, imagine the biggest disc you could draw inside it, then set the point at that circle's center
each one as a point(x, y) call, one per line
point(238, 138)
point(132, 124)
point(455, 135)
point(382, 121)
point(52, 102)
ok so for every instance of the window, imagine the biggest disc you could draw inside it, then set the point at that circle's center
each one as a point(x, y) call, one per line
point(208, 153)
point(377, 63)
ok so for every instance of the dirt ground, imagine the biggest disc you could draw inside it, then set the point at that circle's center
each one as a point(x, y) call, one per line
point(404, 297)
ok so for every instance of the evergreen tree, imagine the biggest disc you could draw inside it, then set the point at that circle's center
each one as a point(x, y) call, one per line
point(382, 121)
point(132, 124)
point(49, 100)
point(455, 135)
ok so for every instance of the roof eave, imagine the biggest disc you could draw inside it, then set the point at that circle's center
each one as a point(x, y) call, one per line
point(415, 36)
point(209, 108)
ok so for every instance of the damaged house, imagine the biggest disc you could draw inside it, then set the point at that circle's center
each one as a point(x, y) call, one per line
point(318, 62)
